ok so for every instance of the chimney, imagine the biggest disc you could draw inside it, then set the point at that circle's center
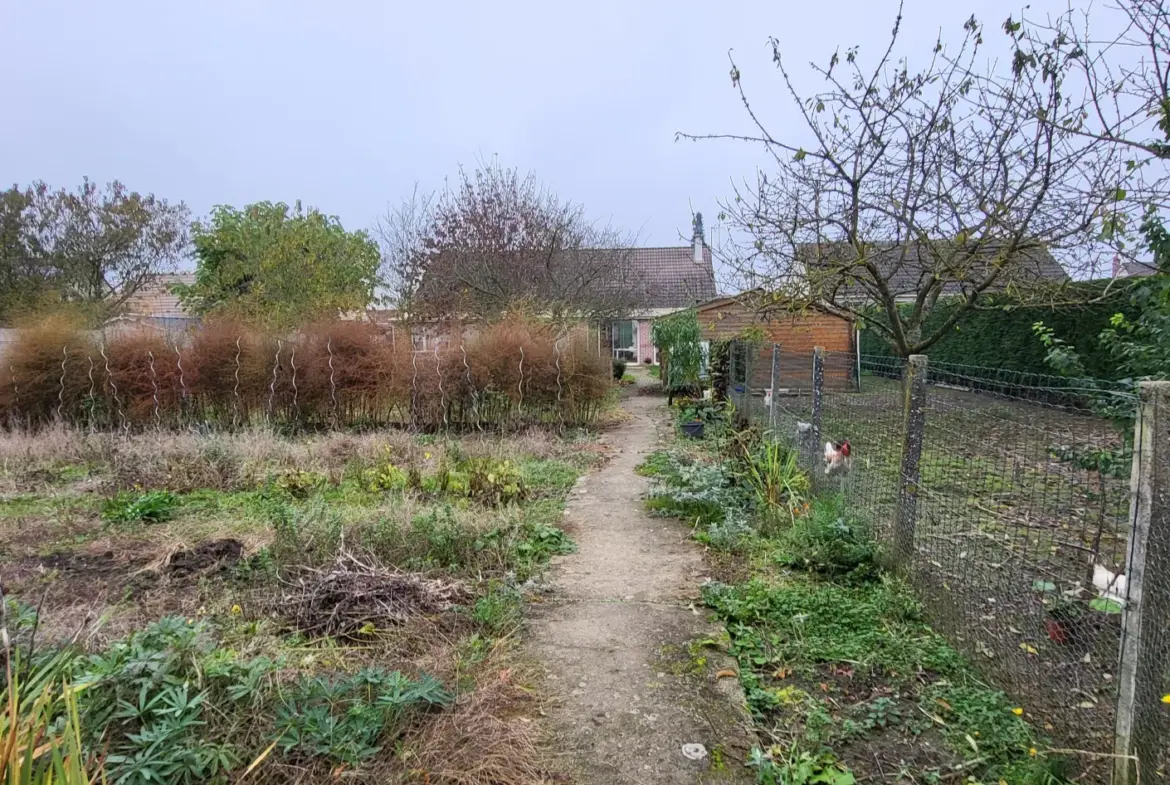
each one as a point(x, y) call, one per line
point(1116, 265)
point(698, 239)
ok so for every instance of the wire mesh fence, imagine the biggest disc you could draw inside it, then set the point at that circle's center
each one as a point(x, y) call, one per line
point(1006, 500)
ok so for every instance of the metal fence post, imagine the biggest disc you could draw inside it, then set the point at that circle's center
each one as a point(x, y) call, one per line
point(774, 405)
point(913, 427)
point(818, 392)
point(1142, 731)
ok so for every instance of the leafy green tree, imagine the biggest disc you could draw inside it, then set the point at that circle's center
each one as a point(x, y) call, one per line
point(279, 264)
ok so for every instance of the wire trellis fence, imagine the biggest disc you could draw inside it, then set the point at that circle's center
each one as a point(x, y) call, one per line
point(1006, 500)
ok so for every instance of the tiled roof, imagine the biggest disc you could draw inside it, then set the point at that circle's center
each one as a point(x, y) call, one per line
point(154, 297)
point(670, 277)
point(905, 271)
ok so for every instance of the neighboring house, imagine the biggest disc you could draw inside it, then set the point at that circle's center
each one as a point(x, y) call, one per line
point(796, 334)
point(156, 305)
point(669, 279)
point(905, 268)
point(1132, 269)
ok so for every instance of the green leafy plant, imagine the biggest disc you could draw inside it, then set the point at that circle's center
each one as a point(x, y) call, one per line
point(135, 507)
point(679, 342)
point(495, 482)
point(773, 472)
point(619, 369)
point(828, 539)
point(300, 484)
point(347, 719)
point(793, 767)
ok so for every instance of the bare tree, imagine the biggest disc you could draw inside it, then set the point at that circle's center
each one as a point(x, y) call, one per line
point(1122, 76)
point(401, 235)
point(497, 239)
point(907, 186)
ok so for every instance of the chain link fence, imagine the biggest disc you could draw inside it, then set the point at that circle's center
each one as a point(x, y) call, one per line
point(1005, 498)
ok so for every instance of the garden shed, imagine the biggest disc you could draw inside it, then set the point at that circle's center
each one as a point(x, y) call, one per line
point(762, 325)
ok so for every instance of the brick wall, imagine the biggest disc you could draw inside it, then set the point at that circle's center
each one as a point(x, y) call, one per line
point(797, 334)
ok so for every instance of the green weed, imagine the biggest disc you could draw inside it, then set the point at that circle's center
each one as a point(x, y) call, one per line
point(129, 507)
point(828, 540)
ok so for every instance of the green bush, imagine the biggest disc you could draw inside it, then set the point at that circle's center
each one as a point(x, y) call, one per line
point(697, 491)
point(828, 540)
point(1000, 334)
point(619, 369)
point(130, 507)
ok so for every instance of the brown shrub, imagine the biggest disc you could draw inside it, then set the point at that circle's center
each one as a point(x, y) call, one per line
point(230, 369)
point(345, 370)
point(334, 373)
point(46, 374)
point(143, 366)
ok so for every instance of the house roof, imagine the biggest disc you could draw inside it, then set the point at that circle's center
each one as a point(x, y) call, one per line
point(905, 266)
point(647, 278)
point(1138, 269)
point(670, 277)
point(154, 296)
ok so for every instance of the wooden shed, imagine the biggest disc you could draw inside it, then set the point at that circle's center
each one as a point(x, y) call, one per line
point(796, 333)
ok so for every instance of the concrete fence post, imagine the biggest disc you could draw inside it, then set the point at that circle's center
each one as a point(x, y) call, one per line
point(732, 377)
point(913, 430)
point(818, 392)
point(774, 403)
point(1142, 728)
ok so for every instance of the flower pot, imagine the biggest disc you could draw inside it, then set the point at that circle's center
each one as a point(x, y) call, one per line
point(693, 429)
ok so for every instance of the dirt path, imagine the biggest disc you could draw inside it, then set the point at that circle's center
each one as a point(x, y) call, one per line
point(620, 640)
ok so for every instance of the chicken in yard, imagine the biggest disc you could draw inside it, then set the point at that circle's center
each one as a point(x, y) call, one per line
point(1109, 586)
point(837, 458)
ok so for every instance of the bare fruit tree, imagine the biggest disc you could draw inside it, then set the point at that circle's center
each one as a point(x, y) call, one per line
point(401, 235)
point(497, 239)
point(1118, 58)
point(905, 186)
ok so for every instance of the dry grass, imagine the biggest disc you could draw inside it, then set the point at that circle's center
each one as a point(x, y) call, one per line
point(183, 460)
point(484, 739)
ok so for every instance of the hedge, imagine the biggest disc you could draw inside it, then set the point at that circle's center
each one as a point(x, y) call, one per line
point(1000, 334)
point(334, 374)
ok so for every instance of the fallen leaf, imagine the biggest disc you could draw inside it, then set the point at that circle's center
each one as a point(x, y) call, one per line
point(726, 674)
point(782, 673)
point(1166, 699)
point(1018, 711)
point(1029, 648)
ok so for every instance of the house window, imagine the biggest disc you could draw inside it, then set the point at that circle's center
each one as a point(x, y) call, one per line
point(623, 339)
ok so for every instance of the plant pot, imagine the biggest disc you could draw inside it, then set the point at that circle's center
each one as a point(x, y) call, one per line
point(693, 429)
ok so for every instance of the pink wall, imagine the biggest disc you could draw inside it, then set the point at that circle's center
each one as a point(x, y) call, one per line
point(645, 347)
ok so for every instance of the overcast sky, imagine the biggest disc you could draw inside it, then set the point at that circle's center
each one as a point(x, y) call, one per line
point(346, 104)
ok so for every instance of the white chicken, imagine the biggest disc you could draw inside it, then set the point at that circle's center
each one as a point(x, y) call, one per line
point(837, 458)
point(1109, 585)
